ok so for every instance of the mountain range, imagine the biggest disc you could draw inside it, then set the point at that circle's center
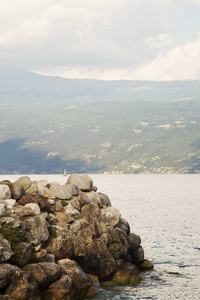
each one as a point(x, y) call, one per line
point(48, 124)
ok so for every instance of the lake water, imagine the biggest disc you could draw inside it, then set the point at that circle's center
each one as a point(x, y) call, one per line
point(164, 210)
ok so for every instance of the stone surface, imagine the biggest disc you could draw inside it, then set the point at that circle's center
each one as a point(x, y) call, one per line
point(80, 279)
point(35, 207)
point(10, 202)
point(23, 286)
point(27, 198)
point(83, 199)
point(72, 189)
point(137, 255)
point(5, 192)
point(145, 265)
point(22, 211)
point(44, 273)
point(6, 272)
point(32, 190)
point(105, 199)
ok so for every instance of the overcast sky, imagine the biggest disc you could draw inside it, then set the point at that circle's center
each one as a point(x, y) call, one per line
point(102, 39)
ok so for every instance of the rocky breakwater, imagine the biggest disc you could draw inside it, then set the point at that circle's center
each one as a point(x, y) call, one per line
point(61, 241)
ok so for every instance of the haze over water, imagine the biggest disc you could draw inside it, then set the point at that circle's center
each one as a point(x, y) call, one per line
point(164, 211)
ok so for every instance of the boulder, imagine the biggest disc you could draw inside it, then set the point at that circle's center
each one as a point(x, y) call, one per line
point(124, 225)
point(23, 286)
point(83, 199)
point(5, 192)
point(61, 289)
point(137, 255)
point(72, 211)
point(45, 192)
point(5, 249)
point(145, 265)
point(99, 260)
point(6, 272)
point(58, 190)
point(22, 211)
point(38, 229)
point(18, 190)
point(94, 198)
point(72, 189)
point(127, 273)
point(24, 181)
point(84, 182)
point(10, 202)
point(80, 279)
point(65, 244)
point(32, 190)
point(44, 273)
point(35, 207)
point(134, 241)
point(9, 184)
point(75, 226)
point(22, 253)
point(27, 198)
point(111, 215)
point(105, 199)
point(118, 251)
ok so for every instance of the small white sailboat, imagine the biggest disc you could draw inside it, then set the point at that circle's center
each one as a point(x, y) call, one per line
point(65, 172)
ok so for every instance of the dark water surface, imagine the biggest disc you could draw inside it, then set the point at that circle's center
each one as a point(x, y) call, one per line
point(165, 211)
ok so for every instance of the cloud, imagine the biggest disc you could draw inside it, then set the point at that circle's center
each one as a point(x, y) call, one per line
point(180, 63)
point(162, 40)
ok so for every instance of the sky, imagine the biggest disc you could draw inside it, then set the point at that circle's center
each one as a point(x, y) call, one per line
point(102, 39)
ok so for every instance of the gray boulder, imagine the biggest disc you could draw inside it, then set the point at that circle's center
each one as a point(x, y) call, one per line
point(18, 190)
point(5, 192)
point(59, 191)
point(24, 181)
point(111, 215)
point(83, 182)
point(5, 249)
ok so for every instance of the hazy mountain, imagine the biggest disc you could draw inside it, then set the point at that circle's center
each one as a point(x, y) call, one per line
point(49, 124)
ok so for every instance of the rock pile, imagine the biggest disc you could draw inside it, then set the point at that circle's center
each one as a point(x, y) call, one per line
point(60, 241)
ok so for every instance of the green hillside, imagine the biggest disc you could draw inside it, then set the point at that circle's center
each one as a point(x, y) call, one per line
point(49, 124)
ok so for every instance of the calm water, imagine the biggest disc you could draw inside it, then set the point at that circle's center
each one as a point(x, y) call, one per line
point(164, 210)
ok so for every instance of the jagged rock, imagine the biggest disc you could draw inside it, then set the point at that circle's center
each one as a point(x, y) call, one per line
point(123, 237)
point(5, 249)
point(99, 260)
point(105, 199)
point(145, 265)
point(61, 289)
point(35, 207)
point(84, 182)
point(42, 256)
point(72, 189)
point(38, 230)
point(111, 215)
point(59, 191)
point(32, 190)
point(45, 206)
point(126, 274)
point(5, 192)
point(6, 272)
point(23, 286)
point(44, 273)
point(92, 214)
point(24, 181)
point(83, 199)
point(137, 255)
point(118, 251)
point(65, 244)
point(80, 279)
point(18, 190)
point(2, 209)
point(41, 184)
point(27, 198)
